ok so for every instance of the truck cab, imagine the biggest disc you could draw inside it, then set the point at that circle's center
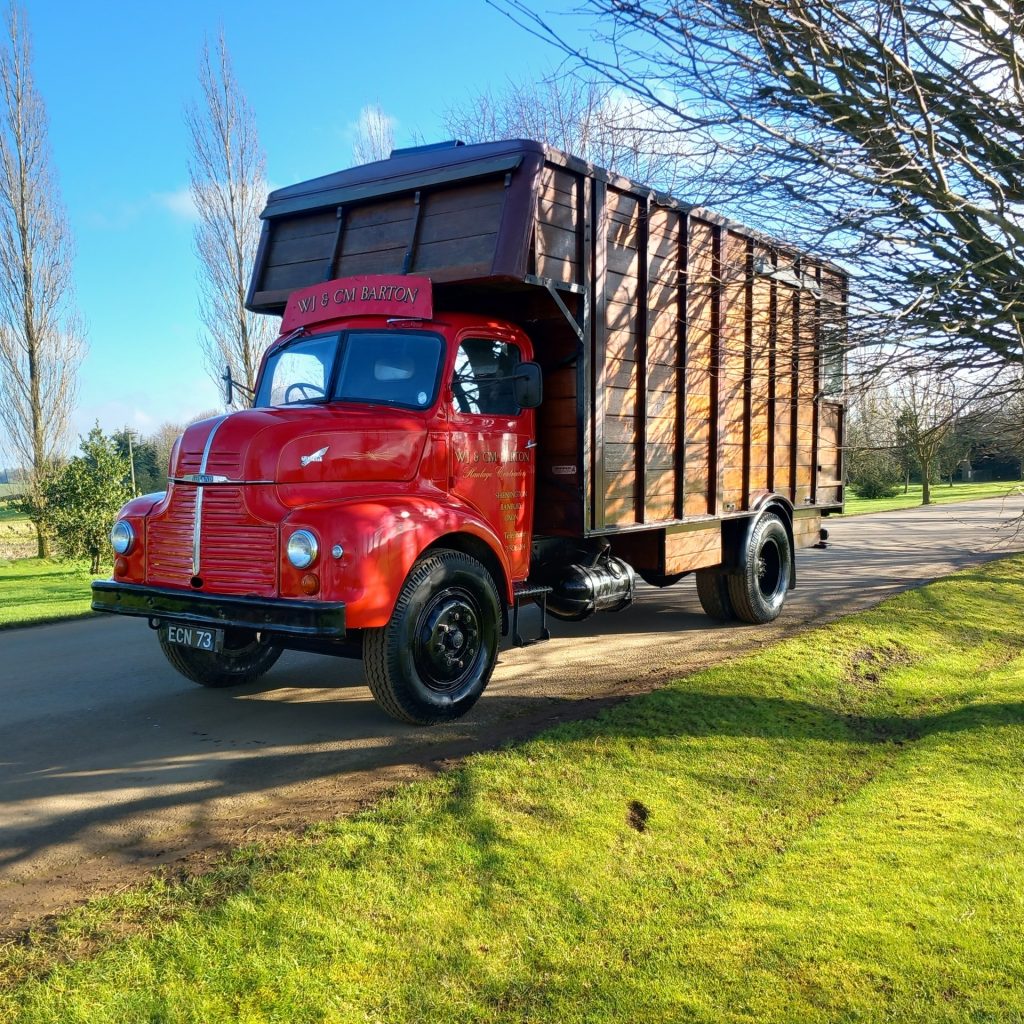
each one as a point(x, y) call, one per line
point(381, 437)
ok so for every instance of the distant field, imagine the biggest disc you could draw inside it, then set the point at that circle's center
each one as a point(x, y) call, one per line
point(941, 494)
point(17, 535)
point(34, 590)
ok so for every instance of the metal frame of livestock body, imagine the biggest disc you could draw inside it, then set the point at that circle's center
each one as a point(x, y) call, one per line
point(685, 357)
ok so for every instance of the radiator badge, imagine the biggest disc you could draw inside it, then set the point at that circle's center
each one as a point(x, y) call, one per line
point(314, 457)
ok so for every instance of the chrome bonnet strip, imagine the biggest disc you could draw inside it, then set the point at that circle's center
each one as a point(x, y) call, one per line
point(198, 521)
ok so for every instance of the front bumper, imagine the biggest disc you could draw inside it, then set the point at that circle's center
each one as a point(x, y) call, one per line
point(268, 615)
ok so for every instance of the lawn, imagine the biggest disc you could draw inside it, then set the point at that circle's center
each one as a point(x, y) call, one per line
point(941, 494)
point(829, 830)
point(36, 590)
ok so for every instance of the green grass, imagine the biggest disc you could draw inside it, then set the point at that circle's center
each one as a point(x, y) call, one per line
point(941, 494)
point(34, 590)
point(829, 830)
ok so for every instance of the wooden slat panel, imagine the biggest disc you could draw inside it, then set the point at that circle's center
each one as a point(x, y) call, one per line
point(620, 430)
point(806, 530)
point(302, 249)
point(621, 373)
point(323, 223)
point(457, 254)
point(441, 227)
point(623, 260)
point(661, 455)
point(693, 549)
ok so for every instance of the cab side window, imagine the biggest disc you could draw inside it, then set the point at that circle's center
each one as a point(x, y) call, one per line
point(482, 384)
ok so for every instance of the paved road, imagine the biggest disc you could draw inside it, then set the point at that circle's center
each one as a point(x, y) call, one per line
point(111, 763)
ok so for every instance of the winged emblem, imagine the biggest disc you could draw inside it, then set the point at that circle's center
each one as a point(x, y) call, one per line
point(314, 456)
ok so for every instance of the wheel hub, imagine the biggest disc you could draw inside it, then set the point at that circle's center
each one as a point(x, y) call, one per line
point(448, 640)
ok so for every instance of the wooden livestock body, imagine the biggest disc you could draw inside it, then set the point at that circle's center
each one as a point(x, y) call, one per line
point(687, 360)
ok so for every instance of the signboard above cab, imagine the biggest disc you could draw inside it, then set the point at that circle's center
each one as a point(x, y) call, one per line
point(394, 295)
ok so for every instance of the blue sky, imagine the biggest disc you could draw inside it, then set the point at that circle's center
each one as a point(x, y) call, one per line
point(115, 77)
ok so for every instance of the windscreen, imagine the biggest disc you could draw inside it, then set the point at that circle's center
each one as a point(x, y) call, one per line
point(400, 368)
point(390, 368)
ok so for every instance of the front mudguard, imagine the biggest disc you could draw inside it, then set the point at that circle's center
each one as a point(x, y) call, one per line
point(380, 539)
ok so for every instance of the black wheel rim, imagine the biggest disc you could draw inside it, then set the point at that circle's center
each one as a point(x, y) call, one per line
point(448, 641)
point(770, 569)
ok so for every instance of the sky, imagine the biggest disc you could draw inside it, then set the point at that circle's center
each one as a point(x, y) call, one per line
point(115, 77)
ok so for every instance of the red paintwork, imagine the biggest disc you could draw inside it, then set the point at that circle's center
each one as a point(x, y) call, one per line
point(369, 295)
point(391, 483)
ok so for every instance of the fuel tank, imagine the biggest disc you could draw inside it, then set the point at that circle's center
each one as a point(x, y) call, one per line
point(580, 590)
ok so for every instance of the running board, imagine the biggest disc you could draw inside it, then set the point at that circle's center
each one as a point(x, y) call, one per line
point(524, 593)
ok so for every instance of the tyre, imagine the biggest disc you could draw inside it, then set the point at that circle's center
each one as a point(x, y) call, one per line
point(758, 590)
point(713, 592)
point(243, 659)
point(657, 579)
point(434, 658)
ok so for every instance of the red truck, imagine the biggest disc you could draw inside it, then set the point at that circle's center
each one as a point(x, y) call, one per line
point(504, 377)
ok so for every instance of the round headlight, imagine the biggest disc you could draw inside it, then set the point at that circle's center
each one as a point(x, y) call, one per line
point(122, 537)
point(302, 549)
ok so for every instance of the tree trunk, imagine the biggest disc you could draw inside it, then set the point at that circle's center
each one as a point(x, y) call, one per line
point(926, 485)
point(42, 542)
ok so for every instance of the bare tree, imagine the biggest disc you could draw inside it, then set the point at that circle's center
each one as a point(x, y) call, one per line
point(581, 115)
point(41, 343)
point(227, 170)
point(374, 135)
point(886, 136)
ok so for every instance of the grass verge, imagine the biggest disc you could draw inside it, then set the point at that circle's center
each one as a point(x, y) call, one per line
point(941, 494)
point(34, 590)
point(829, 830)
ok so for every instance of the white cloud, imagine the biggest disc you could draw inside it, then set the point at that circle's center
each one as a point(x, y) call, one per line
point(179, 202)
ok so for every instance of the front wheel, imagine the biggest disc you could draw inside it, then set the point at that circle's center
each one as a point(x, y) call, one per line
point(243, 659)
point(758, 590)
point(435, 656)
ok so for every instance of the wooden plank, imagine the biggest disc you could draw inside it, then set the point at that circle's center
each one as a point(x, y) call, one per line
point(620, 430)
point(623, 260)
point(688, 550)
point(461, 252)
point(442, 227)
point(323, 223)
point(305, 249)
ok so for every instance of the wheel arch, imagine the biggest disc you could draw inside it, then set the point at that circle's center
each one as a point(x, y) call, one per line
point(383, 538)
point(736, 532)
point(476, 547)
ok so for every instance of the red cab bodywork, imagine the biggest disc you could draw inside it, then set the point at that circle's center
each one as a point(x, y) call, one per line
point(376, 485)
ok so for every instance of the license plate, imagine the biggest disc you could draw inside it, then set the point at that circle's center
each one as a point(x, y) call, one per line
point(198, 637)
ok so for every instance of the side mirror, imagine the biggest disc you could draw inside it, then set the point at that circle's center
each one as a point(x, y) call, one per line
point(229, 387)
point(528, 385)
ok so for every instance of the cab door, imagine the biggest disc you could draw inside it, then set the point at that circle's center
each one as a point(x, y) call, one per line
point(493, 441)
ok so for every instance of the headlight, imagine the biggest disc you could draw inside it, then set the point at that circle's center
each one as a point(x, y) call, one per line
point(122, 537)
point(302, 549)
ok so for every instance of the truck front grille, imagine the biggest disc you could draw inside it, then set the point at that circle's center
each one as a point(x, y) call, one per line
point(236, 554)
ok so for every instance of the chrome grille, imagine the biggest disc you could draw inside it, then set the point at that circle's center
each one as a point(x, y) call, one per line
point(237, 555)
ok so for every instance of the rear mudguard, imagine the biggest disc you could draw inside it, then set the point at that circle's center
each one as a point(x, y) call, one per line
point(369, 545)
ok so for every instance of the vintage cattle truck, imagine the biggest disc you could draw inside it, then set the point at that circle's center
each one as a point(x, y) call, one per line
point(399, 489)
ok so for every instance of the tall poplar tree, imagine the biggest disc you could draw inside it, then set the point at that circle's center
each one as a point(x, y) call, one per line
point(227, 170)
point(41, 344)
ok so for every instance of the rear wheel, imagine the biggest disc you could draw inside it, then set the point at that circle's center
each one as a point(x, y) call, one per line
point(758, 590)
point(713, 592)
point(435, 656)
point(243, 659)
point(658, 579)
